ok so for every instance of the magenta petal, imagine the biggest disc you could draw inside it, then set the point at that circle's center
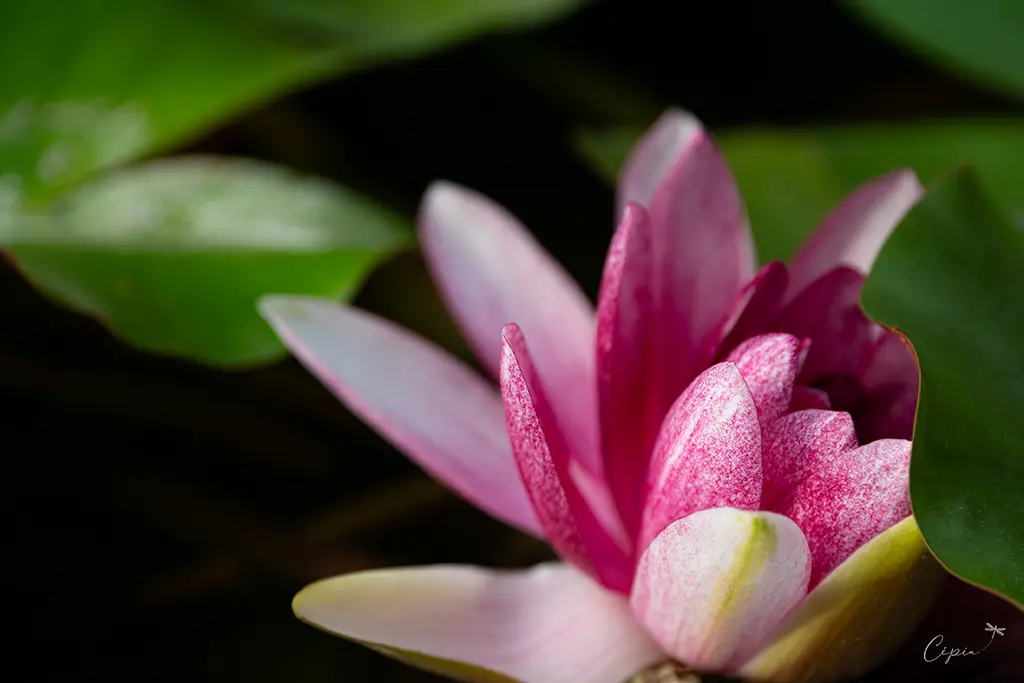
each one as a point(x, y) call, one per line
point(809, 398)
point(491, 271)
point(697, 219)
point(753, 312)
point(891, 385)
point(708, 453)
point(652, 157)
point(545, 466)
point(828, 312)
point(850, 500)
point(854, 233)
point(428, 404)
point(769, 364)
point(625, 325)
point(801, 444)
point(713, 586)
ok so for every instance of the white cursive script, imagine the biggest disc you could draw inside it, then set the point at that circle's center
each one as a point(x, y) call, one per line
point(936, 643)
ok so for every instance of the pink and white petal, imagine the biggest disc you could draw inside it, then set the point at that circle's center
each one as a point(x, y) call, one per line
point(809, 398)
point(753, 312)
point(854, 233)
point(704, 256)
point(851, 500)
point(708, 454)
point(626, 326)
point(548, 624)
point(428, 404)
point(544, 463)
point(828, 312)
point(858, 616)
point(769, 364)
point(713, 586)
point(653, 156)
point(801, 444)
point(491, 271)
point(891, 385)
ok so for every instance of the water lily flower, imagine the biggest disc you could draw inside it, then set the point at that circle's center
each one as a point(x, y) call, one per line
point(719, 456)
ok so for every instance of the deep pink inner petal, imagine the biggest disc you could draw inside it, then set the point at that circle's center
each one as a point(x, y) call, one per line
point(753, 312)
point(891, 388)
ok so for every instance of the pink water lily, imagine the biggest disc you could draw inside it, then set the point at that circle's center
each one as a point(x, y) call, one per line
point(719, 456)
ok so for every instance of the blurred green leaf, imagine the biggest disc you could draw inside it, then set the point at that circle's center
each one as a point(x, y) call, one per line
point(791, 179)
point(952, 279)
point(172, 255)
point(984, 38)
point(87, 84)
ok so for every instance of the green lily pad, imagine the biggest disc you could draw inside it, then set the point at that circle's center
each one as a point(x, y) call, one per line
point(172, 255)
point(952, 279)
point(982, 38)
point(791, 179)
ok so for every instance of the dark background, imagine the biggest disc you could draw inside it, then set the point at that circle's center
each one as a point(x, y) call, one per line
point(164, 514)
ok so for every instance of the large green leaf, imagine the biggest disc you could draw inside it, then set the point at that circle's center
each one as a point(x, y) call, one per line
point(952, 279)
point(173, 255)
point(984, 38)
point(85, 84)
point(791, 178)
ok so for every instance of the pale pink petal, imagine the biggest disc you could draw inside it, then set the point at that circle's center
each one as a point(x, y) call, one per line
point(491, 271)
point(849, 501)
point(854, 233)
point(713, 586)
point(548, 624)
point(753, 312)
point(828, 312)
point(769, 364)
point(652, 157)
point(708, 454)
point(891, 385)
point(704, 256)
point(801, 444)
point(544, 464)
point(626, 325)
point(807, 398)
point(425, 402)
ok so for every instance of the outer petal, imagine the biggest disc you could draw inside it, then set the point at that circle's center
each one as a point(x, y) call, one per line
point(545, 466)
point(891, 385)
point(849, 501)
point(653, 157)
point(708, 454)
point(800, 445)
point(854, 233)
point(769, 364)
point(857, 617)
point(828, 313)
point(491, 271)
point(549, 624)
point(425, 402)
point(703, 255)
point(713, 586)
point(626, 327)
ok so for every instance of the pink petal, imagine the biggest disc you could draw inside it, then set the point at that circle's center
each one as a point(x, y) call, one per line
point(548, 624)
point(808, 398)
point(425, 402)
point(629, 416)
point(544, 464)
point(491, 271)
point(850, 500)
point(702, 257)
point(769, 364)
point(708, 454)
point(713, 586)
point(653, 156)
point(801, 444)
point(891, 385)
point(753, 312)
point(828, 312)
point(854, 233)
